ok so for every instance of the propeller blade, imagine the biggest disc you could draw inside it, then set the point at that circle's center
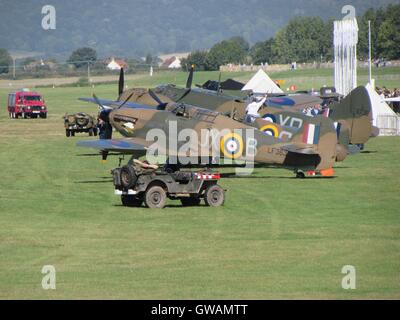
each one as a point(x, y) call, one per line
point(155, 97)
point(219, 83)
point(121, 82)
point(99, 103)
point(161, 105)
point(184, 95)
point(190, 78)
point(126, 100)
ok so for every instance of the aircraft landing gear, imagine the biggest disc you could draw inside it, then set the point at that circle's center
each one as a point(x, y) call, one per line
point(300, 174)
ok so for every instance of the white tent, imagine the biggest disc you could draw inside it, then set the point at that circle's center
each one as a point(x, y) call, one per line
point(383, 116)
point(261, 83)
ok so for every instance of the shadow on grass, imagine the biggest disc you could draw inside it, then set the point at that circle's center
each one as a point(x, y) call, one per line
point(234, 175)
point(369, 151)
point(95, 181)
point(166, 207)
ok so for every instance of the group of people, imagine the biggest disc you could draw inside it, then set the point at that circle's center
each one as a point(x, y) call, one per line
point(312, 111)
point(387, 93)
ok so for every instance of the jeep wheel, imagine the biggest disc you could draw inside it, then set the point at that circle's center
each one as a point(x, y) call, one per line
point(214, 196)
point(155, 197)
point(67, 133)
point(190, 202)
point(131, 200)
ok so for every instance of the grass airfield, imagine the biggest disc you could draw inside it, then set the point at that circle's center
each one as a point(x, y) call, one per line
point(276, 237)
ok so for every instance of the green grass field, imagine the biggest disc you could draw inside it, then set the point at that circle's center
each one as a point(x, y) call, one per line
point(276, 236)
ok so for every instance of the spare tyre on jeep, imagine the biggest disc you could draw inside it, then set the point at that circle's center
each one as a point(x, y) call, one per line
point(80, 122)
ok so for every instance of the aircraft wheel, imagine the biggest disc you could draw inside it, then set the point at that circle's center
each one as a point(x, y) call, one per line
point(191, 201)
point(155, 197)
point(300, 175)
point(214, 196)
point(131, 200)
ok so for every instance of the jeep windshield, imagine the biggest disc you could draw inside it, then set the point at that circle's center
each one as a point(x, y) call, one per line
point(32, 98)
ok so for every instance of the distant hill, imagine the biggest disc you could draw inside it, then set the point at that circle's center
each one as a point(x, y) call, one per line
point(137, 27)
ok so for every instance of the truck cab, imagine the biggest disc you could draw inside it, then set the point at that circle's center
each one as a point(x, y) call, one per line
point(26, 104)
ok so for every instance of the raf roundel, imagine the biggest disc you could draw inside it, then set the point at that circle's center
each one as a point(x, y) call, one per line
point(232, 145)
point(271, 130)
point(269, 117)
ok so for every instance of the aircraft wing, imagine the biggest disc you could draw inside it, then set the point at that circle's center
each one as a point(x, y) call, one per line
point(115, 104)
point(127, 145)
point(393, 99)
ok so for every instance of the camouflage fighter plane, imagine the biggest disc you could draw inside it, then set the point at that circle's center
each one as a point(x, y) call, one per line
point(235, 109)
point(313, 148)
point(353, 111)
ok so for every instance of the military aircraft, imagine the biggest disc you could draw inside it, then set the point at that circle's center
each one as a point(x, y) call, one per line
point(353, 111)
point(312, 148)
point(234, 109)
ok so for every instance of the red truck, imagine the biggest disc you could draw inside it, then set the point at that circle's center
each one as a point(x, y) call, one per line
point(26, 104)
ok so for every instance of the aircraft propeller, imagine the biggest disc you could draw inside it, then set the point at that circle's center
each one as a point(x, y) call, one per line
point(161, 105)
point(188, 83)
point(121, 82)
point(190, 78)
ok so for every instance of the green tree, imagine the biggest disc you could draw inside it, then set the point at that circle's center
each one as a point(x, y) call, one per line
point(304, 39)
point(224, 52)
point(196, 58)
point(241, 42)
point(82, 56)
point(261, 52)
point(375, 16)
point(388, 39)
point(385, 26)
point(5, 61)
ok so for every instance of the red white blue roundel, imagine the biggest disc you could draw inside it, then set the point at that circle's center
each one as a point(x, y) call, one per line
point(269, 117)
point(232, 145)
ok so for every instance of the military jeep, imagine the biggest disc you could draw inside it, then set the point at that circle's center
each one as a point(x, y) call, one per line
point(138, 182)
point(80, 122)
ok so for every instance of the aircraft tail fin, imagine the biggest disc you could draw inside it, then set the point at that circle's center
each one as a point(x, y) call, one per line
point(356, 111)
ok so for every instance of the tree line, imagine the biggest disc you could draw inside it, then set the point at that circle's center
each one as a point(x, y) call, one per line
point(306, 39)
point(303, 39)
